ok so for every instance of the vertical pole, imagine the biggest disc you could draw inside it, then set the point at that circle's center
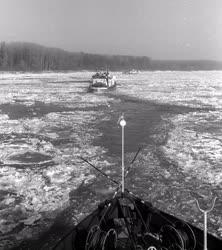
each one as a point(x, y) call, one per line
point(205, 212)
point(205, 230)
point(123, 167)
point(123, 124)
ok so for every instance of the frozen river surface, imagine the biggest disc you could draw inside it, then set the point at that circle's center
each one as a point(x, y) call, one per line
point(49, 120)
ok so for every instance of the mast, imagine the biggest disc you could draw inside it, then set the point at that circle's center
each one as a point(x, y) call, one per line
point(122, 123)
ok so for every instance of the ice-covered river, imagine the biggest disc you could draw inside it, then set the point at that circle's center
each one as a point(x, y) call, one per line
point(49, 120)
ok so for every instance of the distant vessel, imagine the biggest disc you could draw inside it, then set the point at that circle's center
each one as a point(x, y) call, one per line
point(126, 222)
point(131, 72)
point(102, 81)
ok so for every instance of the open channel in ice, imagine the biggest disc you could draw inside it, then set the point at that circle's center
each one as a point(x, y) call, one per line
point(46, 122)
point(193, 148)
point(194, 140)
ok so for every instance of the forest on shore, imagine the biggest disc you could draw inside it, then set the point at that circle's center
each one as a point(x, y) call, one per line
point(33, 57)
point(20, 56)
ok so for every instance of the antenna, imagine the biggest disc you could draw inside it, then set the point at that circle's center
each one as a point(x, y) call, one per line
point(122, 123)
point(205, 212)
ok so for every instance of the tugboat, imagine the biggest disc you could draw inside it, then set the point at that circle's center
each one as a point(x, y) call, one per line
point(126, 222)
point(102, 81)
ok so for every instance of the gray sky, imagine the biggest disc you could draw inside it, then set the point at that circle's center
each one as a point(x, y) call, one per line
point(162, 29)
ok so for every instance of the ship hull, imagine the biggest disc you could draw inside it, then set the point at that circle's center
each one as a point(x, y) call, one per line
point(116, 224)
point(101, 89)
point(102, 82)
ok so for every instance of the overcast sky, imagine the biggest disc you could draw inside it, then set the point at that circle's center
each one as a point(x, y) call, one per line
point(161, 29)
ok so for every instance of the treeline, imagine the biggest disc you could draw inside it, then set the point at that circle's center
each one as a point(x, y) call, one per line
point(33, 57)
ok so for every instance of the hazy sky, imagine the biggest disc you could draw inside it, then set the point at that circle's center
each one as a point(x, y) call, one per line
point(162, 29)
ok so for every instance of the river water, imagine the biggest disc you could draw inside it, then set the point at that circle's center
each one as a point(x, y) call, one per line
point(49, 120)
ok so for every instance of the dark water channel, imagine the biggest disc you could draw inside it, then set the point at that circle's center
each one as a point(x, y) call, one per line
point(152, 176)
point(144, 123)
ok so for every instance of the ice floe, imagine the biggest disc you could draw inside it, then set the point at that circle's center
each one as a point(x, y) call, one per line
point(44, 129)
point(48, 120)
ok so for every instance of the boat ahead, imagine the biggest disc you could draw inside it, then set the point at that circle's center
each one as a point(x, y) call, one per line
point(131, 72)
point(102, 81)
point(126, 222)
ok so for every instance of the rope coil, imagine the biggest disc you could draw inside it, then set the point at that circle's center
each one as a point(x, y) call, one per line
point(98, 239)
